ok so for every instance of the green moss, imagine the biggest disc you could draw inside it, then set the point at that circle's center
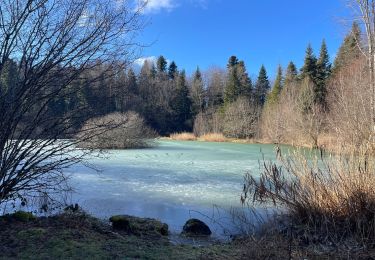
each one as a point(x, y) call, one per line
point(139, 226)
point(22, 216)
point(32, 233)
point(121, 223)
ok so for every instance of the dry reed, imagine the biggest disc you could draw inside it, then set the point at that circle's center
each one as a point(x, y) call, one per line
point(213, 137)
point(331, 198)
point(183, 136)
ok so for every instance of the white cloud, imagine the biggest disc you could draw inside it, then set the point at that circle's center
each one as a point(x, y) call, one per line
point(151, 60)
point(154, 6)
point(141, 61)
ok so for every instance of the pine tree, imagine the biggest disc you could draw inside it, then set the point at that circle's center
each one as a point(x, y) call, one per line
point(350, 48)
point(146, 85)
point(273, 96)
point(197, 93)
point(182, 103)
point(323, 73)
point(161, 65)
point(153, 71)
point(291, 74)
point(237, 82)
point(232, 62)
point(232, 86)
point(245, 88)
point(172, 70)
point(9, 78)
point(262, 86)
point(309, 68)
point(131, 82)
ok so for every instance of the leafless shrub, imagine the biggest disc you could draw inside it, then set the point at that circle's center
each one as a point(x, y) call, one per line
point(117, 131)
point(241, 119)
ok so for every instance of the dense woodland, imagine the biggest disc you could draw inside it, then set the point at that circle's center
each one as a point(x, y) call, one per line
point(300, 107)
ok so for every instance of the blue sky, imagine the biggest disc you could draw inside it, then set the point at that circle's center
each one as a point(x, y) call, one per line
point(205, 33)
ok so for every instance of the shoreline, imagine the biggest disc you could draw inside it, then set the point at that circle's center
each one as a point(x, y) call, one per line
point(239, 141)
point(77, 235)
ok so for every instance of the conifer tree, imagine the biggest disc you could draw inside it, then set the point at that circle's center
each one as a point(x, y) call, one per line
point(9, 77)
point(161, 65)
point(273, 96)
point(309, 68)
point(262, 86)
point(291, 74)
point(146, 84)
point(245, 88)
point(232, 62)
point(182, 103)
point(350, 48)
point(131, 82)
point(172, 70)
point(197, 93)
point(323, 73)
point(232, 86)
point(238, 81)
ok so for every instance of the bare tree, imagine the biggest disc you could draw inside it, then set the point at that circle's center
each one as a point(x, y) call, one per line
point(350, 111)
point(295, 118)
point(241, 119)
point(52, 42)
point(367, 15)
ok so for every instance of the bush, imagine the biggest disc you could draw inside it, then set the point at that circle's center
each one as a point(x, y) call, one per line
point(116, 131)
point(330, 197)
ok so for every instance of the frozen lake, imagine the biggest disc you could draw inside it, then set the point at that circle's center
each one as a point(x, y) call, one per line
point(172, 182)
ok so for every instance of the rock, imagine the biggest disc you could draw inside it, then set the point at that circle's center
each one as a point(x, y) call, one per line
point(72, 208)
point(195, 227)
point(139, 226)
point(120, 223)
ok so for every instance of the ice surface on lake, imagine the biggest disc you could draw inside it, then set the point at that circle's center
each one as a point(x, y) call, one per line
point(173, 181)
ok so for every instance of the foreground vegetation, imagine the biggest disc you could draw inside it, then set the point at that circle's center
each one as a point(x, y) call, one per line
point(79, 236)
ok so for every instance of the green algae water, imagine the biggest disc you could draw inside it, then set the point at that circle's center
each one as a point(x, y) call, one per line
point(173, 181)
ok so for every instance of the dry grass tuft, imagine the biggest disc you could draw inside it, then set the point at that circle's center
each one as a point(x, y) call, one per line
point(330, 197)
point(183, 136)
point(213, 137)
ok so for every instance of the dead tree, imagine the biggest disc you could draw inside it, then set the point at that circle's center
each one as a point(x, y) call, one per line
point(367, 16)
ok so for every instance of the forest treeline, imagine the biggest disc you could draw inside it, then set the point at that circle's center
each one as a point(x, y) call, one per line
point(301, 107)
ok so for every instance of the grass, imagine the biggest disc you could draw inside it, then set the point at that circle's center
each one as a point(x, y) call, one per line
point(213, 137)
point(80, 236)
point(183, 136)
